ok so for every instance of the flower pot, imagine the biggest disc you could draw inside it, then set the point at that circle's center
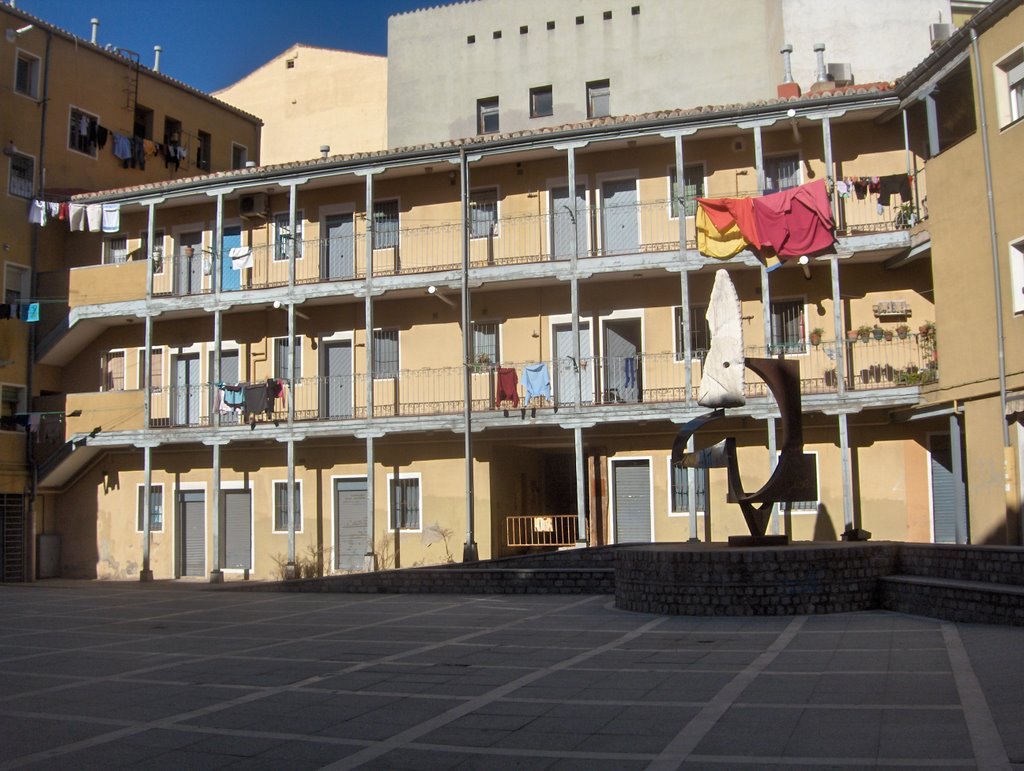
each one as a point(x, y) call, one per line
point(852, 335)
point(815, 339)
point(878, 333)
point(888, 335)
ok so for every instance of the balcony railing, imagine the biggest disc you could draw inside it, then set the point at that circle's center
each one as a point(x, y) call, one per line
point(591, 231)
point(612, 382)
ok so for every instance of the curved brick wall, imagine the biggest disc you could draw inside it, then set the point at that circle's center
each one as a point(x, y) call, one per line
point(707, 580)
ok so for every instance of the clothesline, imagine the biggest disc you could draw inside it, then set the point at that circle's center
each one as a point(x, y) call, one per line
point(94, 217)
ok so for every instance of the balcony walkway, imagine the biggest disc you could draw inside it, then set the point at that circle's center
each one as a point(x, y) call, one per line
point(157, 676)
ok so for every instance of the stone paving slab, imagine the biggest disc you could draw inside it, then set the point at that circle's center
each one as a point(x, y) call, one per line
point(177, 676)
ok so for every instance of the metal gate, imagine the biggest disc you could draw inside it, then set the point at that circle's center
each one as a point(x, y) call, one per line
point(631, 480)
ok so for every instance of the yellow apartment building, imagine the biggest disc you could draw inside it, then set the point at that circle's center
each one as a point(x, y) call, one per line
point(69, 109)
point(973, 89)
point(310, 97)
point(486, 346)
point(342, 279)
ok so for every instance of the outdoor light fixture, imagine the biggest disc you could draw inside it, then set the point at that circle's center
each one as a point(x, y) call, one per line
point(432, 290)
point(14, 34)
point(300, 314)
point(804, 267)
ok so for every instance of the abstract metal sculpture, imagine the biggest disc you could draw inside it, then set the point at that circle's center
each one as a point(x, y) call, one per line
point(794, 477)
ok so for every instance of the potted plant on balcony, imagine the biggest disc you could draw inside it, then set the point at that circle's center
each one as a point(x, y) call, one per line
point(877, 332)
point(852, 335)
point(902, 331)
point(481, 362)
point(863, 333)
point(815, 336)
point(927, 330)
point(887, 334)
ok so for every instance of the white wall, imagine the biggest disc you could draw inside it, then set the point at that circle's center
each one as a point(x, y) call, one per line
point(882, 39)
point(673, 54)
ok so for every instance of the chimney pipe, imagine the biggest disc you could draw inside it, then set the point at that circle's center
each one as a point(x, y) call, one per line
point(156, 58)
point(821, 76)
point(787, 62)
point(95, 29)
point(324, 150)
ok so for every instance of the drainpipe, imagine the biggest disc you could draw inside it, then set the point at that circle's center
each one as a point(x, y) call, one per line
point(993, 238)
point(33, 287)
point(470, 551)
point(291, 570)
point(216, 573)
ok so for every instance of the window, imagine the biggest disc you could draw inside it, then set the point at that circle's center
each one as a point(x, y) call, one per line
point(142, 126)
point(156, 377)
point(483, 213)
point(541, 102)
point(21, 178)
point(607, 16)
point(781, 172)
point(599, 98)
point(404, 503)
point(681, 489)
point(113, 371)
point(172, 131)
point(700, 332)
point(204, 152)
point(1017, 275)
point(385, 224)
point(156, 509)
point(289, 64)
point(26, 75)
point(487, 115)
point(12, 401)
point(15, 284)
point(281, 358)
point(281, 507)
point(1010, 88)
point(158, 250)
point(485, 343)
point(283, 239)
point(579, 20)
point(470, 39)
point(524, 29)
point(115, 250)
point(385, 353)
point(82, 132)
point(693, 182)
point(551, 25)
point(788, 327)
point(496, 34)
point(239, 156)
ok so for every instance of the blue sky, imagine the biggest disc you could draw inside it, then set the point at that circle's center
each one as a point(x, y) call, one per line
point(209, 44)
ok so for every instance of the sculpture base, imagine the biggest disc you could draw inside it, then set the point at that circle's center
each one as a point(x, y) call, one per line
point(759, 540)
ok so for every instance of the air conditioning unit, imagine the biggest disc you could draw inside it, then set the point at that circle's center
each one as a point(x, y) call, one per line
point(841, 73)
point(940, 33)
point(253, 206)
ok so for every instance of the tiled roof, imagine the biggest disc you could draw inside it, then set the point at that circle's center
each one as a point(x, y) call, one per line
point(477, 141)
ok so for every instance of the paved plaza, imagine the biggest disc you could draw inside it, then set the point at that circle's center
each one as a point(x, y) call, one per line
point(182, 676)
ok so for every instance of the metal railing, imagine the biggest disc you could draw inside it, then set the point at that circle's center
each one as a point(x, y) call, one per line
point(591, 231)
point(612, 382)
point(550, 530)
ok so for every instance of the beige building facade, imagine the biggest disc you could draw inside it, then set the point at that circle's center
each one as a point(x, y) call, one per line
point(486, 347)
point(486, 66)
point(64, 102)
point(311, 97)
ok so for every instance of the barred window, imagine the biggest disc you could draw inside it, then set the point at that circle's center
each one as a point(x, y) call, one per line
point(156, 509)
point(405, 503)
point(82, 132)
point(21, 178)
point(281, 506)
point(681, 489)
point(385, 353)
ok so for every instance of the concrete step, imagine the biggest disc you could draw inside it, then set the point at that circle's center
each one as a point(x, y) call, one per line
point(458, 581)
point(979, 602)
